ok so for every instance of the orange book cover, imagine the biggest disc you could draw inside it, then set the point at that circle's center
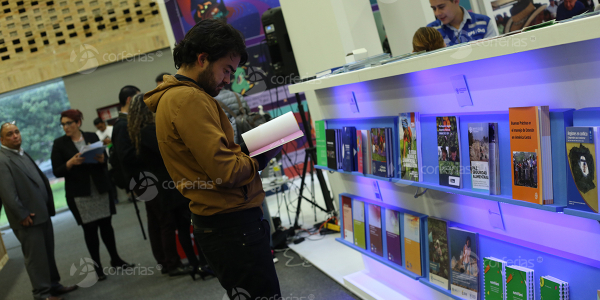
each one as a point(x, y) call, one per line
point(412, 243)
point(526, 160)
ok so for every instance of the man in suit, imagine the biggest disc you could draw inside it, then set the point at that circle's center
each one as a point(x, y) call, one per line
point(27, 197)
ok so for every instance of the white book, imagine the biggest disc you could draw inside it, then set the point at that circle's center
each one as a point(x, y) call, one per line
point(273, 134)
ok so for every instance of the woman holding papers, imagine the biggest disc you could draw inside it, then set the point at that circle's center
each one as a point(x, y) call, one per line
point(86, 186)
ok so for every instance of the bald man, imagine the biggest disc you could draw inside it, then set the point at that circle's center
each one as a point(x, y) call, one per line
point(27, 198)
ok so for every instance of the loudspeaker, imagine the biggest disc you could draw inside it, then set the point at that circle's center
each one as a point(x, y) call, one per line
point(278, 42)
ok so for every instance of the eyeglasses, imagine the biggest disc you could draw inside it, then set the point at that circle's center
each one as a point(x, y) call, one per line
point(69, 123)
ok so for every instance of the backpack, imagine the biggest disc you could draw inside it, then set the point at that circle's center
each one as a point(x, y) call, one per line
point(244, 121)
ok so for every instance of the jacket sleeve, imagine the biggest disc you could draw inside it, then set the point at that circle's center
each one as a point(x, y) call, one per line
point(125, 150)
point(9, 196)
point(199, 126)
point(59, 165)
point(149, 139)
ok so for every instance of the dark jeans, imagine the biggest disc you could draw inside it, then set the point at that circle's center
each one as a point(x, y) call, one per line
point(236, 246)
point(161, 231)
point(182, 217)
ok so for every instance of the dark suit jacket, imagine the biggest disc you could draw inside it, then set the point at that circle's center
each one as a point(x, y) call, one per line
point(124, 149)
point(77, 180)
point(20, 194)
point(152, 161)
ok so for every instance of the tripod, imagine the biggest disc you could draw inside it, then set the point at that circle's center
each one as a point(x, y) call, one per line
point(311, 154)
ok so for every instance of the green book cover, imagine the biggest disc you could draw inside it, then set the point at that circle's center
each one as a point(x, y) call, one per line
point(516, 284)
point(321, 143)
point(492, 279)
point(550, 290)
point(358, 215)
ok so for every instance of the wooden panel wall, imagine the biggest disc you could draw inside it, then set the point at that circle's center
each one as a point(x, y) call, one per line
point(42, 40)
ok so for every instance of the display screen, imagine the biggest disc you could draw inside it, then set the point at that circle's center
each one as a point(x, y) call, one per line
point(269, 28)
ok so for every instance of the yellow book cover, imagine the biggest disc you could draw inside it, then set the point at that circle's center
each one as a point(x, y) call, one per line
point(525, 147)
point(412, 243)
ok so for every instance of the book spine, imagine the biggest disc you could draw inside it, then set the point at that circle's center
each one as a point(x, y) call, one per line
point(359, 146)
point(354, 149)
point(418, 148)
point(548, 191)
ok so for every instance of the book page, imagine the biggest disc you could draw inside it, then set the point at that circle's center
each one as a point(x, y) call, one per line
point(271, 132)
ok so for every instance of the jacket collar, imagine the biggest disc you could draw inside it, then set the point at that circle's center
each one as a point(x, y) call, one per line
point(20, 164)
point(19, 152)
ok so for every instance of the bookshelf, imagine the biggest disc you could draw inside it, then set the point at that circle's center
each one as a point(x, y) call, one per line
point(578, 271)
point(557, 66)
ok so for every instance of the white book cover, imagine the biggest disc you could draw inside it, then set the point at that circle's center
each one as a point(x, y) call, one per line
point(272, 134)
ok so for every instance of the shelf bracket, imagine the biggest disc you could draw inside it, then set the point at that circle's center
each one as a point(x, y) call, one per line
point(417, 194)
point(354, 104)
point(495, 216)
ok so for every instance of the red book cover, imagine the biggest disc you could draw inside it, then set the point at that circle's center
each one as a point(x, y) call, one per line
point(347, 218)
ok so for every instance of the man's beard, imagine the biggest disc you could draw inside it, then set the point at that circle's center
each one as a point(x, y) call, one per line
point(206, 80)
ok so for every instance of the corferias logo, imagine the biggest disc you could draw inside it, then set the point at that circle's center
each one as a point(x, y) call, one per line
point(145, 187)
point(85, 59)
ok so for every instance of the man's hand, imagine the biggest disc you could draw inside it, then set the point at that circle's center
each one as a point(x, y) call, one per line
point(106, 141)
point(99, 158)
point(28, 221)
point(273, 152)
point(76, 160)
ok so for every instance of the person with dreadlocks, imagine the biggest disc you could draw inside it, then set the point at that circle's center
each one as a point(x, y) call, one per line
point(169, 211)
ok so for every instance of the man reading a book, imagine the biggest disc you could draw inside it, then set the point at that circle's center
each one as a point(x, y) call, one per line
point(197, 145)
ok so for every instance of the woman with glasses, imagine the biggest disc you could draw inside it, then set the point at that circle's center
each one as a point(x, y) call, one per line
point(87, 188)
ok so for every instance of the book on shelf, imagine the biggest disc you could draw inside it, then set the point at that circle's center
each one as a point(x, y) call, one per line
point(331, 138)
point(379, 152)
point(464, 261)
point(494, 279)
point(358, 216)
point(389, 148)
point(349, 148)
point(484, 156)
point(410, 146)
point(375, 237)
point(439, 254)
point(448, 143)
point(359, 153)
point(367, 150)
point(392, 235)
point(339, 149)
point(519, 283)
point(412, 243)
point(347, 218)
point(552, 288)
point(321, 143)
point(272, 134)
point(531, 154)
point(582, 176)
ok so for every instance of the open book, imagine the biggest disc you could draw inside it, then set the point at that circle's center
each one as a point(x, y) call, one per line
point(273, 134)
point(90, 151)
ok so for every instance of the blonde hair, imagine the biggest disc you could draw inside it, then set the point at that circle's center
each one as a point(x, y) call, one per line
point(428, 39)
point(138, 117)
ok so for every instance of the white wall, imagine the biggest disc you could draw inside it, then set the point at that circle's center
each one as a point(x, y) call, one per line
point(322, 37)
point(87, 92)
point(401, 19)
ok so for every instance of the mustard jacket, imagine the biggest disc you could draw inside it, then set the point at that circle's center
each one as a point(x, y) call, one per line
point(196, 143)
